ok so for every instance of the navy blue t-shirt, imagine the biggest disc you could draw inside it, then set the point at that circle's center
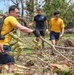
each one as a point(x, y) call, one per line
point(40, 19)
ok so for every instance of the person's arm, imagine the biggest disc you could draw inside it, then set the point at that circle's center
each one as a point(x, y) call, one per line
point(49, 29)
point(1, 48)
point(23, 28)
point(27, 30)
point(32, 23)
point(62, 33)
point(46, 23)
point(15, 24)
point(62, 27)
point(23, 20)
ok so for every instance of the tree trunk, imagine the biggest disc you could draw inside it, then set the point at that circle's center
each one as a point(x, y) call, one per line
point(22, 5)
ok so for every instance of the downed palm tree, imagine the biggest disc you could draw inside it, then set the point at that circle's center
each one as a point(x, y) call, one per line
point(17, 45)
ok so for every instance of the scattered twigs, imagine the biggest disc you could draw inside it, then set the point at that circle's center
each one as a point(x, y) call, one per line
point(61, 47)
point(56, 50)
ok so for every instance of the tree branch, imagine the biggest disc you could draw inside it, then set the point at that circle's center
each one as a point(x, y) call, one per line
point(14, 2)
point(56, 50)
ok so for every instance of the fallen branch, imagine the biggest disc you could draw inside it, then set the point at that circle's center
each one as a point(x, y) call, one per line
point(69, 48)
point(56, 50)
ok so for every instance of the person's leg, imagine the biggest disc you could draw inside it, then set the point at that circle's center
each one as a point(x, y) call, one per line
point(11, 68)
point(37, 39)
point(54, 38)
point(7, 59)
point(53, 41)
point(43, 42)
point(42, 32)
point(0, 68)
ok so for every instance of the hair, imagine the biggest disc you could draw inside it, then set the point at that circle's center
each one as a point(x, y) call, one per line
point(56, 12)
point(39, 9)
point(12, 8)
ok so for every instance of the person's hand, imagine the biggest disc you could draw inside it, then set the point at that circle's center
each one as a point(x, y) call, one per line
point(47, 32)
point(61, 36)
point(1, 48)
point(36, 33)
point(30, 24)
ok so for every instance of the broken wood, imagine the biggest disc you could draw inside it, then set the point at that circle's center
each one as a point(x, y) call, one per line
point(69, 43)
point(56, 50)
point(68, 48)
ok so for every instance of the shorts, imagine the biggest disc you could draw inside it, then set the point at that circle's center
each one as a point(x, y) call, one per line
point(5, 58)
point(54, 35)
point(42, 32)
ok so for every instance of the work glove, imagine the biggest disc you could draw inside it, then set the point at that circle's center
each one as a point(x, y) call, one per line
point(36, 33)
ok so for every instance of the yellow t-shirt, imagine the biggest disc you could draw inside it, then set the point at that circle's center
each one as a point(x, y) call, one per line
point(9, 23)
point(56, 24)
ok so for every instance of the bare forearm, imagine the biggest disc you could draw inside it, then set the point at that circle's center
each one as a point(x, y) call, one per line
point(32, 23)
point(62, 31)
point(24, 29)
point(49, 28)
point(27, 30)
point(46, 24)
point(1, 48)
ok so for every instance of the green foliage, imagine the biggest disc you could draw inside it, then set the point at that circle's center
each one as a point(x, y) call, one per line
point(1, 11)
point(30, 8)
point(18, 44)
point(65, 73)
point(36, 45)
point(65, 7)
point(6, 74)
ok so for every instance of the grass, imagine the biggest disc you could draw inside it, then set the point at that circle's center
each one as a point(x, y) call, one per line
point(66, 36)
point(7, 74)
point(29, 44)
point(29, 49)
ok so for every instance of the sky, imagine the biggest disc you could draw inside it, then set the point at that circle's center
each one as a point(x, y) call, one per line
point(4, 6)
